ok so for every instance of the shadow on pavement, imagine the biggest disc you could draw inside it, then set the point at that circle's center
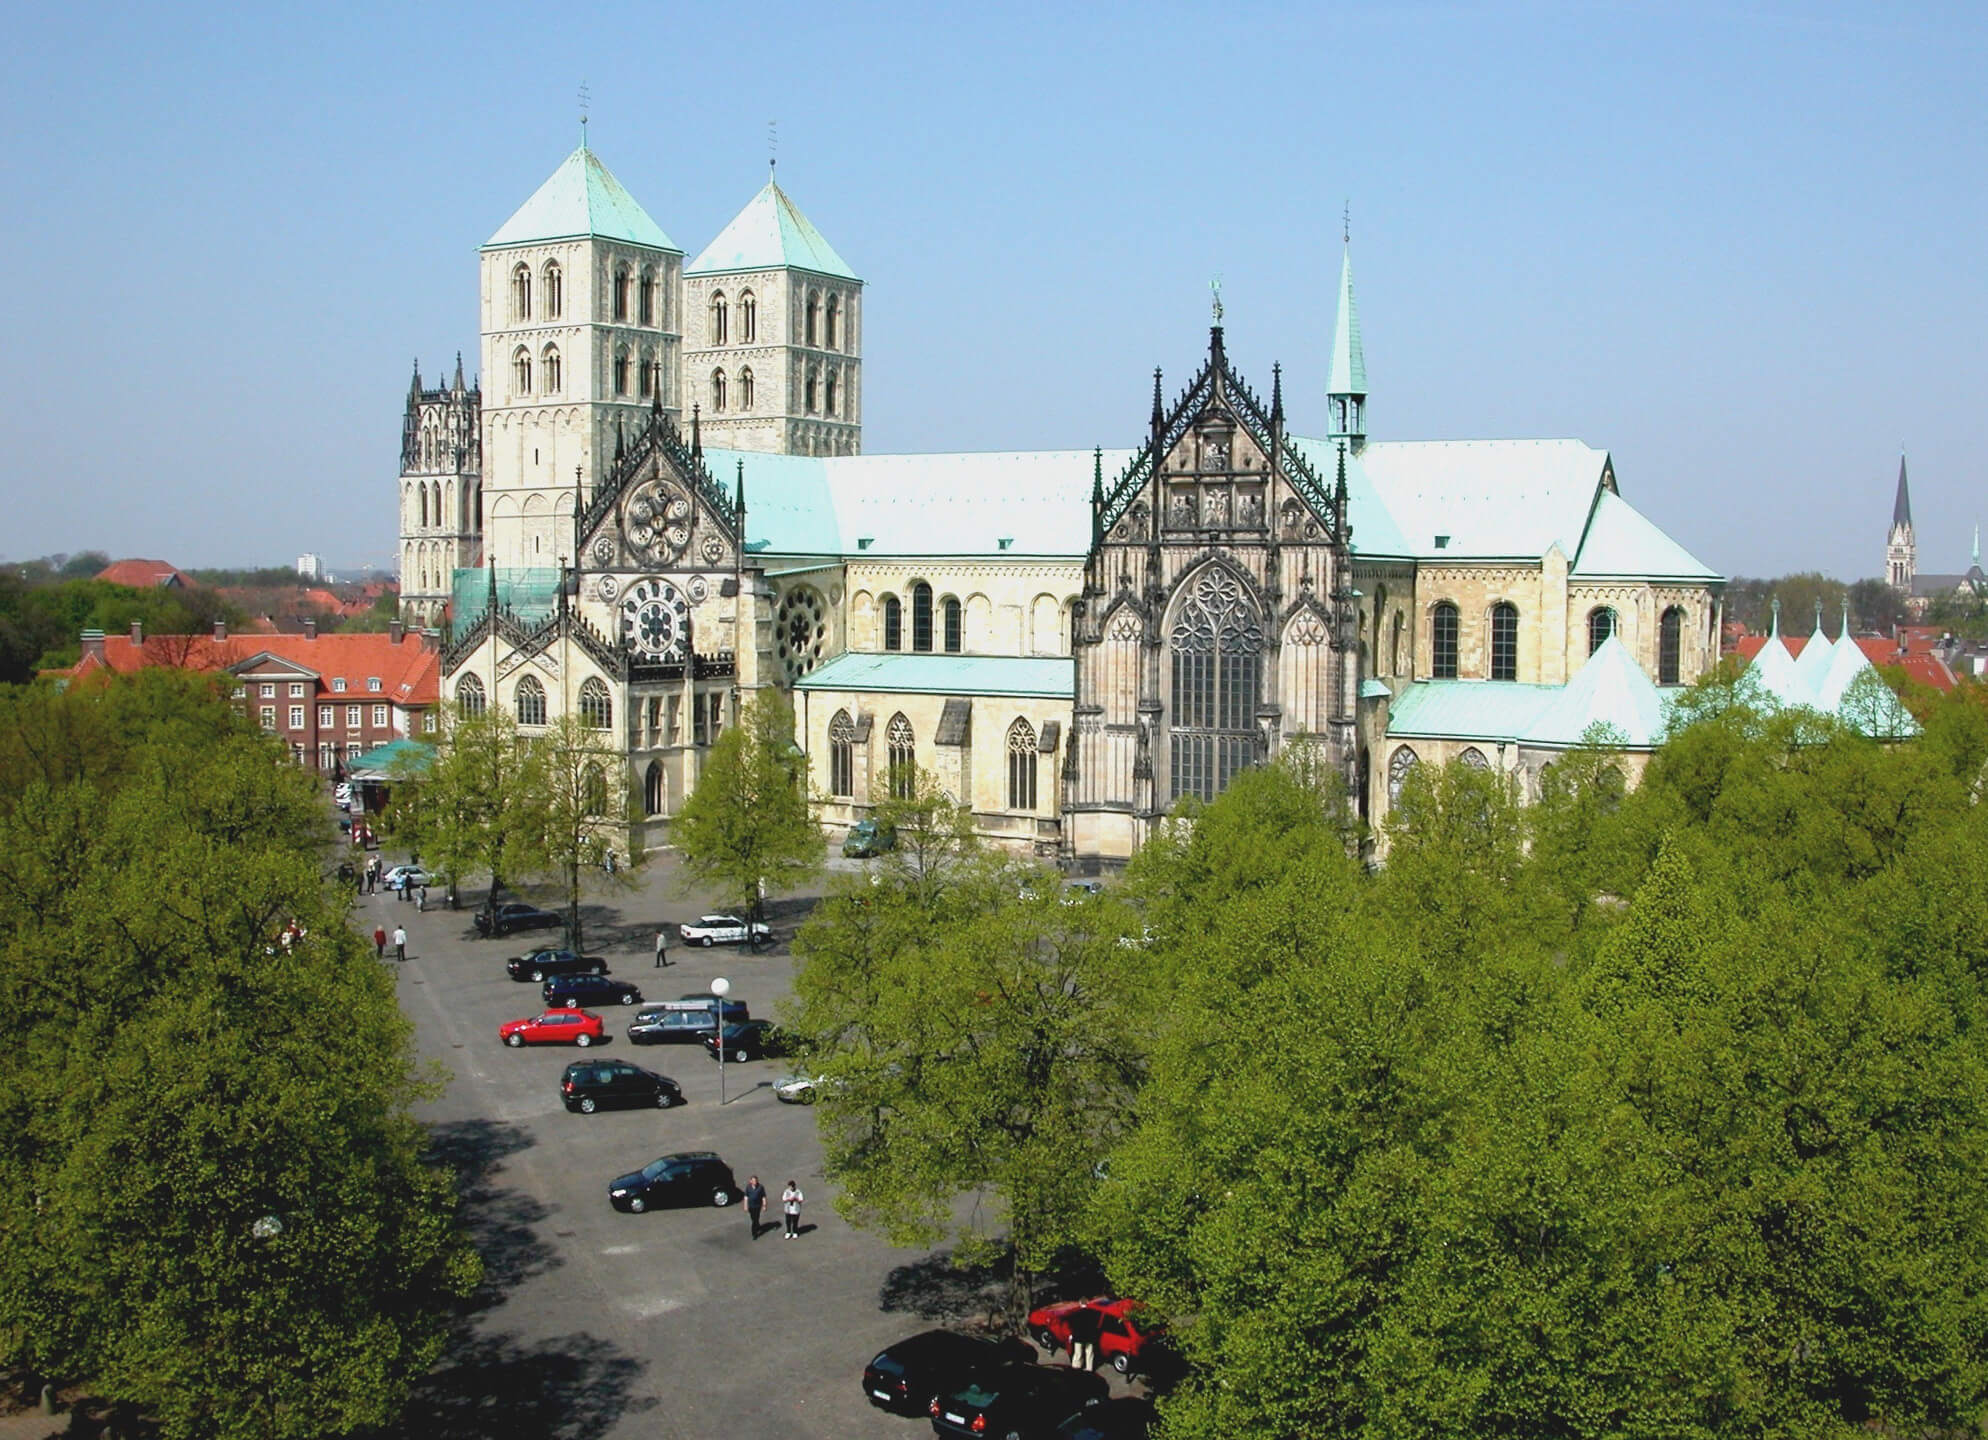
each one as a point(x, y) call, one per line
point(502, 1222)
point(939, 1288)
point(571, 1387)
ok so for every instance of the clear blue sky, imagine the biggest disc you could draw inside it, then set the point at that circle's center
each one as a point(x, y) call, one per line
point(1741, 246)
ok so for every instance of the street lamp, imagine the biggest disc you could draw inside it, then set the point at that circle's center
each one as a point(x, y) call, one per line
point(721, 987)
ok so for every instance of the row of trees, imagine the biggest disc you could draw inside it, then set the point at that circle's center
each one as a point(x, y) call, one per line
point(214, 1200)
point(1658, 1113)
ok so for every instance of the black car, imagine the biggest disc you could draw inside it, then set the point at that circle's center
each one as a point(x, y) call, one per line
point(696, 1177)
point(913, 1373)
point(1128, 1418)
point(573, 991)
point(541, 965)
point(1025, 1401)
point(516, 915)
point(748, 1040)
point(590, 1085)
point(681, 1022)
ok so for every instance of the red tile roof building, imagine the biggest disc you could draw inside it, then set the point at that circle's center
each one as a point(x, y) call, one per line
point(1911, 652)
point(144, 575)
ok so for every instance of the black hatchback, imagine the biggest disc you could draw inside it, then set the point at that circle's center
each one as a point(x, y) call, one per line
point(695, 1177)
point(1026, 1401)
point(516, 915)
point(913, 1373)
point(541, 965)
point(573, 991)
point(590, 1085)
point(749, 1040)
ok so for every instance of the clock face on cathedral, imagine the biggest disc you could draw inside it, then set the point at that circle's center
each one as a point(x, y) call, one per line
point(655, 622)
point(656, 522)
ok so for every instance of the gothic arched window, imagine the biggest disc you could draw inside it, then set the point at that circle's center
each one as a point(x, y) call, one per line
point(1442, 641)
point(1398, 766)
point(833, 322)
point(652, 788)
point(646, 370)
point(550, 360)
point(521, 371)
point(645, 296)
point(814, 317)
point(1504, 641)
point(921, 617)
point(893, 623)
point(1394, 646)
point(829, 388)
point(903, 752)
point(422, 492)
point(949, 607)
point(596, 708)
point(1021, 765)
point(719, 326)
point(1471, 758)
point(521, 293)
point(717, 392)
point(748, 317)
point(469, 697)
point(745, 390)
point(593, 791)
point(555, 290)
point(531, 701)
point(813, 383)
point(1670, 647)
point(621, 370)
point(841, 755)
point(655, 369)
point(1217, 649)
point(1601, 625)
point(622, 281)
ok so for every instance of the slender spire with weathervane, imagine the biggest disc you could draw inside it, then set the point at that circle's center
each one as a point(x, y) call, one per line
point(1346, 383)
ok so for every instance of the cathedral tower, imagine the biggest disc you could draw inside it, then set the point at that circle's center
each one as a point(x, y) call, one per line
point(1346, 384)
point(1901, 555)
point(774, 329)
point(582, 294)
point(441, 484)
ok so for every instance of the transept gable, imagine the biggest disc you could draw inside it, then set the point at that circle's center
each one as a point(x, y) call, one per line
point(659, 508)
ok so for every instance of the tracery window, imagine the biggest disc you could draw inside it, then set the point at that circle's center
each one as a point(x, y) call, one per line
point(748, 317)
point(469, 699)
point(1601, 625)
point(834, 317)
point(555, 290)
point(813, 383)
point(828, 393)
point(521, 293)
point(652, 788)
point(921, 617)
point(531, 701)
point(745, 390)
point(647, 372)
point(718, 325)
point(814, 317)
point(1217, 651)
point(596, 708)
point(621, 370)
point(593, 791)
point(1398, 766)
point(841, 755)
point(717, 392)
point(1021, 765)
point(1670, 647)
point(949, 607)
point(903, 753)
point(893, 623)
point(1504, 641)
point(1442, 641)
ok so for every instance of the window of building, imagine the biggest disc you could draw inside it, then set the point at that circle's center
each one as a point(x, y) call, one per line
point(1601, 625)
point(720, 328)
point(621, 370)
point(903, 751)
point(352, 716)
point(1443, 641)
point(718, 392)
point(373, 683)
point(949, 608)
point(813, 329)
point(550, 362)
point(469, 698)
point(521, 293)
point(745, 390)
point(1394, 646)
point(748, 317)
point(653, 789)
point(338, 684)
point(622, 281)
point(269, 691)
point(893, 623)
point(1217, 651)
point(1021, 765)
point(596, 707)
point(717, 702)
point(324, 717)
point(521, 371)
point(352, 749)
point(296, 690)
point(269, 717)
point(651, 374)
point(379, 716)
point(531, 701)
point(1504, 641)
point(811, 387)
point(1398, 766)
point(646, 300)
point(834, 319)
point(427, 722)
point(921, 617)
point(593, 791)
point(296, 717)
point(1670, 647)
point(841, 755)
point(555, 290)
point(828, 393)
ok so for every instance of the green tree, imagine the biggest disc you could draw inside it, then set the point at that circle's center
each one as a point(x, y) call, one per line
point(746, 827)
point(466, 810)
point(572, 813)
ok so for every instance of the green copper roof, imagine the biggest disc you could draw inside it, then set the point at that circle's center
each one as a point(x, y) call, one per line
point(1610, 689)
point(945, 675)
point(1348, 375)
point(771, 233)
point(1620, 540)
point(531, 592)
point(582, 198)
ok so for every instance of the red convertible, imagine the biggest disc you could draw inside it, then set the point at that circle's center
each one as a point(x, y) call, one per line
point(1124, 1330)
point(554, 1027)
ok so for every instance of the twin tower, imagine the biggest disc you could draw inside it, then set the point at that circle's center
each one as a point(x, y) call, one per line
point(590, 319)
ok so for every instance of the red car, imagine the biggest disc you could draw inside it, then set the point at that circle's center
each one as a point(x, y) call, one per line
point(554, 1027)
point(1124, 1330)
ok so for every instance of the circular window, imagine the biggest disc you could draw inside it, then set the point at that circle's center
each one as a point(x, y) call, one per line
point(799, 630)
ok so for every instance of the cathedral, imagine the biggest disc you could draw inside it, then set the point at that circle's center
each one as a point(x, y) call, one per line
point(657, 504)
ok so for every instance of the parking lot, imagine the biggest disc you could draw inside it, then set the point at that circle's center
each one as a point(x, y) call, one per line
point(671, 1323)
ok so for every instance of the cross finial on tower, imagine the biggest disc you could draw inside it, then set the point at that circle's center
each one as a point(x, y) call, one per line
point(772, 147)
point(585, 99)
point(1346, 224)
point(1215, 285)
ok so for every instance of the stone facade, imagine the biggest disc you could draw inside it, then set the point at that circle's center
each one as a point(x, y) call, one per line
point(441, 485)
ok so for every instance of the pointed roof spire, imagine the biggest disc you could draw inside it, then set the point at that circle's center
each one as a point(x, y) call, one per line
point(1348, 375)
point(491, 566)
point(415, 388)
point(1276, 394)
point(1159, 413)
point(1097, 476)
point(739, 501)
point(581, 199)
point(1901, 507)
point(696, 435)
point(459, 385)
point(771, 233)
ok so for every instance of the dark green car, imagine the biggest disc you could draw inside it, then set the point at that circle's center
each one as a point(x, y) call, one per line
point(868, 837)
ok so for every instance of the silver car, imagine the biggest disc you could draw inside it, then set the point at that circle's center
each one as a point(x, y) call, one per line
point(721, 930)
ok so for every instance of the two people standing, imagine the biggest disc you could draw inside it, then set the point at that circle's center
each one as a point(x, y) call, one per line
point(790, 1206)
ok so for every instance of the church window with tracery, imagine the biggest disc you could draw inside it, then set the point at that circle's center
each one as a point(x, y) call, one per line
point(521, 369)
point(653, 789)
point(621, 371)
point(829, 388)
point(921, 617)
point(521, 293)
point(1217, 652)
point(813, 383)
point(469, 697)
point(814, 319)
point(622, 281)
point(950, 608)
point(745, 390)
point(717, 392)
point(1399, 764)
point(531, 701)
point(555, 290)
point(842, 755)
point(903, 752)
point(1021, 766)
point(646, 297)
point(596, 706)
point(833, 322)
point(551, 371)
point(1670, 647)
point(893, 623)
point(1443, 641)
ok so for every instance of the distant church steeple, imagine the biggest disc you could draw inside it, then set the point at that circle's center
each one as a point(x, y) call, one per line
point(1901, 554)
point(1346, 383)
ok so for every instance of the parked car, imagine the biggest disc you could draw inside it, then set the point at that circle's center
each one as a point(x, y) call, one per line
point(721, 930)
point(748, 1040)
point(415, 876)
point(1078, 890)
point(516, 915)
point(1124, 1329)
point(1127, 1418)
point(868, 837)
point(1026, 1402)
point(573, 991)
point(798, 1089)
point(555, 1027)
point(542, 965)
point(695, 1177)
point(908, 1376)
point(681, 1022)
point(590, 1085)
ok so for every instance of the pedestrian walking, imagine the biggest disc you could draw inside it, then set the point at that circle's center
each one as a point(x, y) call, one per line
point(400, 943)
point(421, 899)
point(755, 1198)
point(790, 1207)
point(402, 887)
point(1085, 1325)
point(379, 942)
point(662, 948)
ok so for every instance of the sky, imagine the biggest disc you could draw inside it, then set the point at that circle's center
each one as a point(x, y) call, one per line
point(1739, 246)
